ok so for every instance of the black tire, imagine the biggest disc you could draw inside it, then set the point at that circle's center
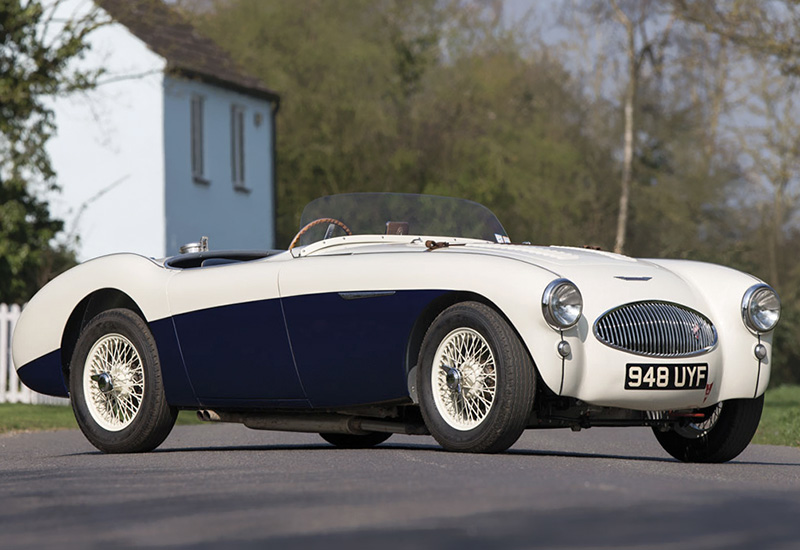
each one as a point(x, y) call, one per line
point(350, 441)
point(723, 441)
point(513, 383)
point(138, 385)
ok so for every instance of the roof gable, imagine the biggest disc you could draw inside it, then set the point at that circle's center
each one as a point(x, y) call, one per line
point(187, 52)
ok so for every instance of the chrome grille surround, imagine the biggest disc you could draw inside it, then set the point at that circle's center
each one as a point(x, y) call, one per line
point(656, 329)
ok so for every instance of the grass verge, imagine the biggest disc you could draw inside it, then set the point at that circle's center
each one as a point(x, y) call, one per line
point(780, 423)
point(18, 417)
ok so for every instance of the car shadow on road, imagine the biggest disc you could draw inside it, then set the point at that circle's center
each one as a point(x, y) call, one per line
point(564, 454)
point(388, 447)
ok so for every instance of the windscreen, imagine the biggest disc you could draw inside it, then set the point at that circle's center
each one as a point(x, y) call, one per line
point(399, 214)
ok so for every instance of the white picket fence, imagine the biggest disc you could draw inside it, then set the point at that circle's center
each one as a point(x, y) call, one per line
point(11, 389)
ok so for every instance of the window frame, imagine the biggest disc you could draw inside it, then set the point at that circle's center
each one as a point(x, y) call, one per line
point(197, 138)
point(237, 136)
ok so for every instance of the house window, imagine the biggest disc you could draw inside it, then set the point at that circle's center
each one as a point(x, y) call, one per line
point(196, 128)
point(237, 147)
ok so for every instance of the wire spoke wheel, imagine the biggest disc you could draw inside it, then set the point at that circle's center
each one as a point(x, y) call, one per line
point(464, 378)
point(476, 380)
point(116, 389)
point(113, 381)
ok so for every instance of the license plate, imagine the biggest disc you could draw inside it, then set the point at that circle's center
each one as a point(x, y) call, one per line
point(666, 377)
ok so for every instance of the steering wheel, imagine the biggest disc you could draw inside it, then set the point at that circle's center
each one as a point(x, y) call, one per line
point(316, 222)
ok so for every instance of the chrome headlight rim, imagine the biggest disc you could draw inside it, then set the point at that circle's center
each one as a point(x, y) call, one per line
point(551, 294)
point(747, 313)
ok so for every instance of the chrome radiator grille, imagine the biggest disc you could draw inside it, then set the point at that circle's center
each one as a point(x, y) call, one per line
point(656, 329)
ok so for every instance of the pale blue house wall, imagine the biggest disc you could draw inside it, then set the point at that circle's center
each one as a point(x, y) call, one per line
point(230, 218)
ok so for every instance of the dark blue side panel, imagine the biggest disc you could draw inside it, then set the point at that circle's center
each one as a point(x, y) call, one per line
point(176, 381)
point(352, 351)
point(44, 375)
point(239, 352)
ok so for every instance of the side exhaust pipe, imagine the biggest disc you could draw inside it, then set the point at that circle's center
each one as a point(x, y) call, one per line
point(208, 416)
point(313, 423)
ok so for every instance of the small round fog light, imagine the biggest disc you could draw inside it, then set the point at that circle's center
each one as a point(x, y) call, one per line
point(760, 352)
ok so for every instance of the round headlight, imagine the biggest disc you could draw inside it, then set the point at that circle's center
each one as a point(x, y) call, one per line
point(761, 308)
point(562, 304)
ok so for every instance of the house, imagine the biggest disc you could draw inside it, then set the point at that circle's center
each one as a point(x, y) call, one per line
point(175, 143)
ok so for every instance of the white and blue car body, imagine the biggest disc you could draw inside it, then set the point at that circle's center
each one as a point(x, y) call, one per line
point(405, 314)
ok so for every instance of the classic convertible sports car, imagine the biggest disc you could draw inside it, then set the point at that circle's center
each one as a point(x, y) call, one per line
point(410, 314)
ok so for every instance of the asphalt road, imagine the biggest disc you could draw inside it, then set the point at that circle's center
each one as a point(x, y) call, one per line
point(224, 485)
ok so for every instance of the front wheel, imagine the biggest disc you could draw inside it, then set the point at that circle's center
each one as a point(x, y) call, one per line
point(724, 432)
point(476, 380)
point(115, 385)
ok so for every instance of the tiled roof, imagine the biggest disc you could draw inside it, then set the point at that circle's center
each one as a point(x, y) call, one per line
point(186, 51)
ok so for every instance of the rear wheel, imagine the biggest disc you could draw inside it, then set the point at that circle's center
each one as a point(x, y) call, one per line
point(351, 441)
point(476, 380)
point(115, 385)
point(722, 435)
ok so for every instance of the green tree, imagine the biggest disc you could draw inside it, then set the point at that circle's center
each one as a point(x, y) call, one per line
point(508, 131)
point(36, 48)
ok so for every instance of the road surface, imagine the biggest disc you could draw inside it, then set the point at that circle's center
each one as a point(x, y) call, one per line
point(224, 485)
